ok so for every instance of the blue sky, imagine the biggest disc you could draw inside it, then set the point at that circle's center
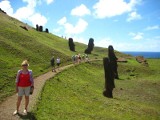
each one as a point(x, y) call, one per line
point(128, 25)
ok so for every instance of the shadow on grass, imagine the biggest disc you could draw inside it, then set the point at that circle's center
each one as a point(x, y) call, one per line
point(29, 116)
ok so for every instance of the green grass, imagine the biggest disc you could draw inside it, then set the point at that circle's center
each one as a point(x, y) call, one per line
point(17, 44)
point(76, 94)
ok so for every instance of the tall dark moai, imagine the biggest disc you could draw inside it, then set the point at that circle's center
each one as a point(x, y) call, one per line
point(47, 31)
point(37, 27)
point(113, 59)
point(90, 46)
point(109, 78)
point(71, 44)
point(41, 28)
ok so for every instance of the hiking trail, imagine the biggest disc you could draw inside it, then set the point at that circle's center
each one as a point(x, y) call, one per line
point(8, 106)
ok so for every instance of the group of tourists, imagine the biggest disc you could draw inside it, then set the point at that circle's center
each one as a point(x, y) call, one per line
point(78, 58)
point(25, 82)
point(58, 62)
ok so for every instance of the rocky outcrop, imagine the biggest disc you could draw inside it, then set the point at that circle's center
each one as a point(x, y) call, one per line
point(122, 60)
point(24, 27)
point(2, 11)
point(142, 60)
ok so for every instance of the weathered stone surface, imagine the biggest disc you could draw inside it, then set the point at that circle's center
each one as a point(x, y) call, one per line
point(24, 27)
point(142, 60)
point(90, 46)
point(122, 60)
point(71, 44)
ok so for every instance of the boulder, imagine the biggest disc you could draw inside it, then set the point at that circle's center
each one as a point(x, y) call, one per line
point(142, 60)
point(24, 27)
point(122, 60)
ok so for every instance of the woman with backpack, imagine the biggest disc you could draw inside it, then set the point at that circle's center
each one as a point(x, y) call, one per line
point(24, 86)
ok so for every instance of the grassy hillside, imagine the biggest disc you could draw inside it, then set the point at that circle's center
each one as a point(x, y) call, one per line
point(17, 44)
point(76, 94)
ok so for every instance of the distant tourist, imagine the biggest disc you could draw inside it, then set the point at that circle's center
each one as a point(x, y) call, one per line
point(86, 58)
point(74, 59)
point(113, 60)
point(79, 58)
point(58, 61)
point(24, 85)
point(53, 64)
point(83, 57)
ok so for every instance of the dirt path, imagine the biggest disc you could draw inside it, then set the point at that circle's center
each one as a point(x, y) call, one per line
point(9, 105)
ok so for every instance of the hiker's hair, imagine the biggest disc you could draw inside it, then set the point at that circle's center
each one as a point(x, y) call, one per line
point(25, 62)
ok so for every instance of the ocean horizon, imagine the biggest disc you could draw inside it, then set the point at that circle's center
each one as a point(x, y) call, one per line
point(144, 54)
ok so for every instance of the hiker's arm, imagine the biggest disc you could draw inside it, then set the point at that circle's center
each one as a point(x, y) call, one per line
point(17, 80)
point(31, 79)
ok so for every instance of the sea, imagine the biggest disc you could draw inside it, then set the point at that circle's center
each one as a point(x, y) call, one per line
point(144, 54)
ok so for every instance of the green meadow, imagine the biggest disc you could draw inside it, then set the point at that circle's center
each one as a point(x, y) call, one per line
point(76, 93)
point(17, 44)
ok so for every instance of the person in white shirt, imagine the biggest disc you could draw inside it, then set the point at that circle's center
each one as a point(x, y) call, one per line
point(58, 61)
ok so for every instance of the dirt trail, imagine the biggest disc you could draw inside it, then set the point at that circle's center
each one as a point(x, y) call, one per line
point(9, 105)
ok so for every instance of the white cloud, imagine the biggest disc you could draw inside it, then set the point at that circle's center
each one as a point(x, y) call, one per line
point(136, 36)
point(153, 27)
point(80, 26)
point(23, 13)
point(31, 3)
point(62, 21)
point(57, 30)
point(49, 1)
point(80, 11)
point(5, 5)
point(79, 39)
point(134, 16)
point(125, 46)
point(37, 19)
point(110, 8)
point(104, 42)
point(26, 13)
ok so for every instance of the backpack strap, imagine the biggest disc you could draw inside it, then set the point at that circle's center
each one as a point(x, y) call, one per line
point(18, 74)
point(31, 76)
